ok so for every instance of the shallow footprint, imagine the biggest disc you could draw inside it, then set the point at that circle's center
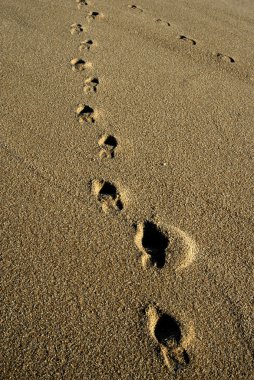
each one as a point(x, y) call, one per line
point(188, 40)
point(152, 242)
point(85, 114)
point(108, 195)
point(91, 84)
point(82, 3)
point(78, 64)
point(108, 144)
point(76, 29)
point(166, 332)
point(135, 7)
point(86, 45)
point(162, 22)
point(226, 58)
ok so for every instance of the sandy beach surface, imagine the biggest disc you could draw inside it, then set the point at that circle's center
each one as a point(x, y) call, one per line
point(127, 189)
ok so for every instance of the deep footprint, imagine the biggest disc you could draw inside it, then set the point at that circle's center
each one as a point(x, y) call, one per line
point(107, 194)
point(93, 15)
point(85, 114)
point(225, 58)
point(78, 64)
point(166, 331)
point(76, 29)
point(91, 84)
point(108, 144)
point(152, 242)
point(86, 45)
point(187, 40)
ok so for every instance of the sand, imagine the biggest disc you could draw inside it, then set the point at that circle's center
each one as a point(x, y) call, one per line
point(127, 192)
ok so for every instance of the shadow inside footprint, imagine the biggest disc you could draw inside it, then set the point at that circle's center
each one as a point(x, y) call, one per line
point(93, 15)
point(135, 7)
point(85, 113)
point(108, 144)
point(107, 190)
point(91, 84)
point(85, 45)
point(187, 40)
point(108, 195)
point(78, 64)
point(76, 29)
point(225, 58)
point(186, 358)
point(162, 22)
point(82, 2)
point(111, 141)
point(167, 330)
point(155, 243)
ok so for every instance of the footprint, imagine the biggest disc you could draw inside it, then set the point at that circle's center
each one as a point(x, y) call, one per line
point(135, 7)
point(94, 15)
point(167, 334)
point(188, 40)
point(152, 242)
point(108, 195)
point(76, 29)
point(162, 22)
point(225, 58)
point(78, 64)
point(91, 84)
point(85, 113)
point(108, 144)
point(159, 247)
point(81, 3)
point(86, 45)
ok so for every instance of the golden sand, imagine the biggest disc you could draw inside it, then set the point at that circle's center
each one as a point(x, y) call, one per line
point(127, 189)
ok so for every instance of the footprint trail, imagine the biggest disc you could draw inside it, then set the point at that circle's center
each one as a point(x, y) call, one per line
point(156, 244)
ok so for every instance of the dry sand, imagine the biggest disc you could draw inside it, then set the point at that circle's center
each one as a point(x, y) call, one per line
point(126, 147)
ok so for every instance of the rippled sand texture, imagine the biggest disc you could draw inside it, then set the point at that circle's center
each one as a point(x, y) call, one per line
point(126, 192)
